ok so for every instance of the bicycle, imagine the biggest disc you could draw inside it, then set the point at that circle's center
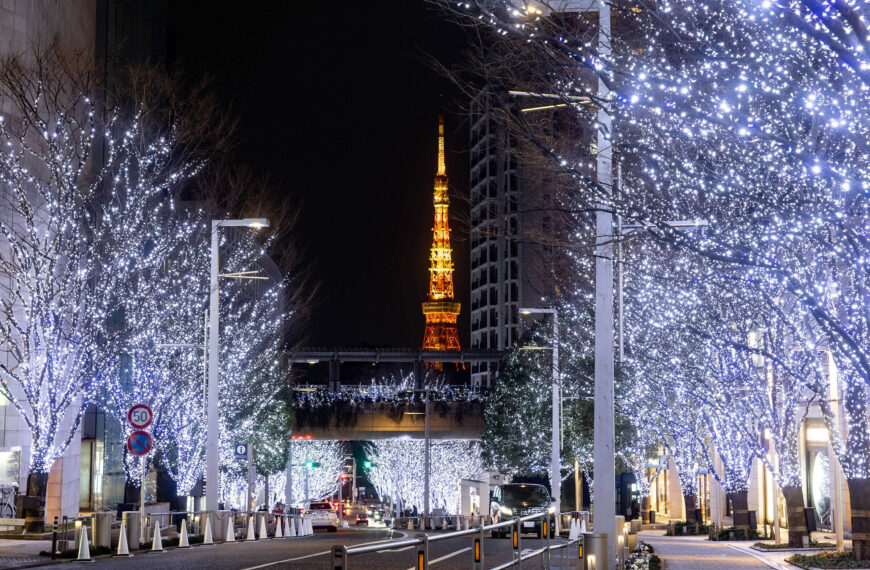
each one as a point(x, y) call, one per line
point(7, 501)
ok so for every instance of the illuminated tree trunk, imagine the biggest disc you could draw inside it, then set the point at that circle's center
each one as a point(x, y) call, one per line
point(645, 506)
point(797, 519)
point(859, 500)
point(740, 505)
point(34, 502)
point(691, 501)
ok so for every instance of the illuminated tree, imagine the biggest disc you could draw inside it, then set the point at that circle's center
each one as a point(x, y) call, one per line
point(398, 470)
point(323, 480)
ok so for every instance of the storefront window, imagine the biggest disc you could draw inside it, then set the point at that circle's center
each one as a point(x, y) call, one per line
point(820, 486)
point(10, 467)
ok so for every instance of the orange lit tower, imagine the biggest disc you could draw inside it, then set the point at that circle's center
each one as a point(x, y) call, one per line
point(441, 311)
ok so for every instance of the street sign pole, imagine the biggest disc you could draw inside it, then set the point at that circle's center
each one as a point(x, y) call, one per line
point(142, 501)
point(250, 477)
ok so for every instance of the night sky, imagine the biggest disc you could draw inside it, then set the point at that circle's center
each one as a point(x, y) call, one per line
point(338, 107)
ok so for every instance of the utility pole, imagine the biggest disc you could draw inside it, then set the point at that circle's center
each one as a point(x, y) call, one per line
point(354, 491)
point(603, 436)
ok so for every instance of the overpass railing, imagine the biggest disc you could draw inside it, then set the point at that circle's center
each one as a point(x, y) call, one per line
point(341, 554)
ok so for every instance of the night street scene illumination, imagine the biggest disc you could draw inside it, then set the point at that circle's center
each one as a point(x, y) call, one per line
point(435, 283)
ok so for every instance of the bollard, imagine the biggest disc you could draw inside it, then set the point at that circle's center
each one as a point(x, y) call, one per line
point(545, 559)
point(423, 552)
point(339, 558)
point(54, 540)
point(477, 550)
point(596, 551)
point(84, 548)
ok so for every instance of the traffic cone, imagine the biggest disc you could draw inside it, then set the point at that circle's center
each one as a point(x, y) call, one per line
point(583, 526)
point(123, 547)
point(208, 539)
point(279, 532)
point(289, 531)
point(231, 531)
point(309, 526)
point(251, 534)
point(572, 532)
point(292, 527)
point(84, 547)
point(263, 532)
point(443, 523)
point(183, 541)
point(157, 540)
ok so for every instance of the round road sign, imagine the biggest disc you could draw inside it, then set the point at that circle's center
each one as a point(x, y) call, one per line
point(140, 416)
point(139, 442)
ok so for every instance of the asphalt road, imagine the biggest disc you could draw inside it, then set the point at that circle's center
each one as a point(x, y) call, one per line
point(314, 553)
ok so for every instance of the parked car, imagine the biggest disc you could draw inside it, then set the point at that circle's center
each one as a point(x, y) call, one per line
point(517, 500)
point(322, 515)
point(362, 518)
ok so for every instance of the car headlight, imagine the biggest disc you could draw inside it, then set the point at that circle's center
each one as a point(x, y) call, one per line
point(551, 510)
point(506, 511)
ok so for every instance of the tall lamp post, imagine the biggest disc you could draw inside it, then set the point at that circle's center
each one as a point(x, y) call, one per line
point(212, 451)
point(555, 443)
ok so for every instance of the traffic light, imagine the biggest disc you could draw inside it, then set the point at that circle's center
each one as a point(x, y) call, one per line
point(312, 464)
point(367, 464)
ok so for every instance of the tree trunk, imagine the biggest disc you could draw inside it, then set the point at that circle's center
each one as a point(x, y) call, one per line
point(34, 502)
point(740, 505)
point(797, 518)
point(859, 500)
point(266, 494)
point(690, 501)
point(645, 506)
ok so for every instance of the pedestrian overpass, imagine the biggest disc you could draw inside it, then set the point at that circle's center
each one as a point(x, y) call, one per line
point(381, 420)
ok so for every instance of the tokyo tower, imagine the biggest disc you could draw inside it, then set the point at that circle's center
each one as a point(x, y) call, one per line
point(441, 311)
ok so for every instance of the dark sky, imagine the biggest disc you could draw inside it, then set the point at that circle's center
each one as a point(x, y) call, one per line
point(337, 106)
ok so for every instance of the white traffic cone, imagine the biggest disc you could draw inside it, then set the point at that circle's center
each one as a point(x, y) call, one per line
point(208, 539)
point(279, 532)
point(157, 540)
point(231, 531)
point(309, 526)
point(583, 526)
point(251, 534)
point(287, 528)
point(263, 531)
point(292, 531)
point(183, 540)
point(443, 523)
point(123, 547)
point(84, 547)
point(572, 532)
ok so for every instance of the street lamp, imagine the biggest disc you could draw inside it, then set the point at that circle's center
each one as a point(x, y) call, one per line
point(555, 447)
point(212, 453)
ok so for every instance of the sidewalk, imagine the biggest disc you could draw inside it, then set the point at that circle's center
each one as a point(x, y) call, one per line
point(698, 553)
point(22, 553)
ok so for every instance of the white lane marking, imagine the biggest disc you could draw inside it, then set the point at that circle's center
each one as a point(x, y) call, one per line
point(446, 556)
point(288, 560)
point(311, 555)
point(770, 563)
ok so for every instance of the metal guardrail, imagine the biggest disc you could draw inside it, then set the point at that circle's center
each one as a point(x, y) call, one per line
point(341, 553)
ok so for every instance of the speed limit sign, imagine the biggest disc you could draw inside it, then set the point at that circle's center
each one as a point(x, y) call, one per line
point(140, 416)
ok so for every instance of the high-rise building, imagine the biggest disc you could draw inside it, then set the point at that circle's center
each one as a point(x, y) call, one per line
point(441, 310)
point(508, 219)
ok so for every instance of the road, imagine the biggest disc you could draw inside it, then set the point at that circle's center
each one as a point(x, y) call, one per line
point(314, 553)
